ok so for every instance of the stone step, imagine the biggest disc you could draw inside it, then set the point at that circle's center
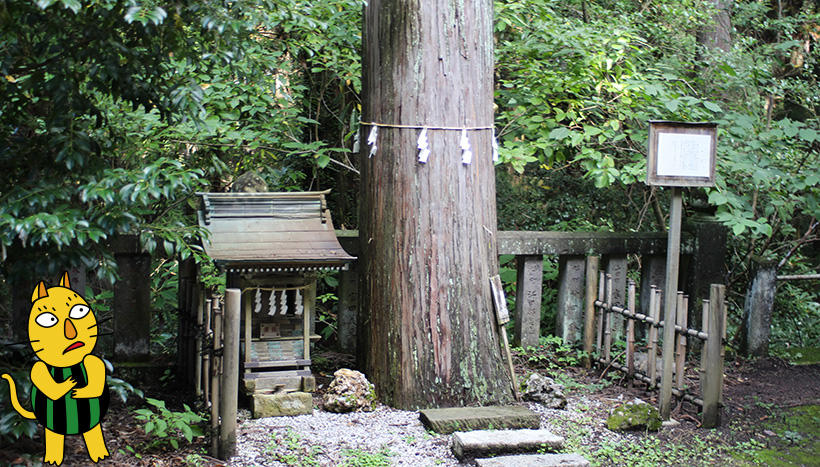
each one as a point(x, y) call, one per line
point(535, 460)
point(483, 443)
point(282, 404)
point(454, 419)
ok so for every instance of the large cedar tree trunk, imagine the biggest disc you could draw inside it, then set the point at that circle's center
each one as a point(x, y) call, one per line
point(427, 231)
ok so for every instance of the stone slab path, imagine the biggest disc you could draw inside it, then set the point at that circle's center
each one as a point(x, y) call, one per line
point(454, 419)
point(484, 443)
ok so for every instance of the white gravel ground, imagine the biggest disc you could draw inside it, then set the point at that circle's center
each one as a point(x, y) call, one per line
point(325, 439)
point(399, 432)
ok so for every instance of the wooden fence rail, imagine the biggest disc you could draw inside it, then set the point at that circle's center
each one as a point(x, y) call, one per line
point(711, 364)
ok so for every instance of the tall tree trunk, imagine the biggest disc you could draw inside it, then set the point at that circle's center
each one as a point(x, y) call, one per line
point(428, 230)
point(717, 34)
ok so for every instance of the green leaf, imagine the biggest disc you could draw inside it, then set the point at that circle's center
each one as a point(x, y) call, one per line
point(559, 133)
point(738, 228)
point(711, 106)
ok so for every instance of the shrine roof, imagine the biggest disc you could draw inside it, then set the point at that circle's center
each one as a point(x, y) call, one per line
point(270, 231)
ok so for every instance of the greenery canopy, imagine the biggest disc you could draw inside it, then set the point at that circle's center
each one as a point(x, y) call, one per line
point(115, 112)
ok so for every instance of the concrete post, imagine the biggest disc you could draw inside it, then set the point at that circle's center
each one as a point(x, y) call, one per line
point(706, 263)
point(132, 306)
point(569, 320)
point(528, 300)
point(348, 308)
point(757, 310)
point(616, 266)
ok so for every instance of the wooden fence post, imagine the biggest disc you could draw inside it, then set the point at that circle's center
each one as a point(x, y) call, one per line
point(230, 374)
point(713, 377)
point(630, 333)
point(200, 317)
point(215, 370)
point(589, 307)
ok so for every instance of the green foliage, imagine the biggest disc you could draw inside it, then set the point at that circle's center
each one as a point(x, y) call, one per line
point(290, 450)
point(359, 458)
point(169, 426)
point(551, 353)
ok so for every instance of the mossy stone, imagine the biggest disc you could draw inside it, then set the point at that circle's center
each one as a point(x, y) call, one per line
point(635, 415)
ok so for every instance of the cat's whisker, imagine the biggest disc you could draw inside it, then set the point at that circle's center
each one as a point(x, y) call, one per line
point(101, 334)
point(21, 342)
point(102, 320)
point(39, 350)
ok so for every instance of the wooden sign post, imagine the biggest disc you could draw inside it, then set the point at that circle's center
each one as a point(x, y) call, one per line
point(502, 315)
point(680, 154)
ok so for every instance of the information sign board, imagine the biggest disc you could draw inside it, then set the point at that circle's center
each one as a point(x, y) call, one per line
point(681, 154)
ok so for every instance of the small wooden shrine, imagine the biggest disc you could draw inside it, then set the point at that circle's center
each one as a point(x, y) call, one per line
point(272, 247)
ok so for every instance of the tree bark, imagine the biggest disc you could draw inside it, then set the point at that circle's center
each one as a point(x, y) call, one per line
point(428, 230)
point(717, 33)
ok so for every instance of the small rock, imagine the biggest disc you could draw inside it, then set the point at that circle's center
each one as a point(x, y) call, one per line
point(349, 391)
point(671, 423)
point(769, 433)
point(545, 390)
point(634, 415)
point(249, 182)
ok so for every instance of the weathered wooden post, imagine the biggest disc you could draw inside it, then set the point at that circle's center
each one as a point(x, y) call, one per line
point(230, 375)
point(216, 369)
point(569, 320)
point(757, 310)
point(713, 384)
point(630, 334)
point(680, 154)
point(589, 307)
point(200, 320)
point(530, 271)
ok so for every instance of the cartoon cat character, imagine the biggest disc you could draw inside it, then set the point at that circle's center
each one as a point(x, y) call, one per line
point(69, 396)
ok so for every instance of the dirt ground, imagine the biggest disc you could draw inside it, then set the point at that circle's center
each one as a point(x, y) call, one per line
point(754, 391)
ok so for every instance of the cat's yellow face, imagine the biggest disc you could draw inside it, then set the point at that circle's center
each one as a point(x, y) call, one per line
point(62, 329)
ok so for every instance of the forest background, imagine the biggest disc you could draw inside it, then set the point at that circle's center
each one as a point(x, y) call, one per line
point(114, 113)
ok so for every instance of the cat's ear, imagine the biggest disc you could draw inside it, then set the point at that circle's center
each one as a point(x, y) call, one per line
point(64, 281)
point(39, 292)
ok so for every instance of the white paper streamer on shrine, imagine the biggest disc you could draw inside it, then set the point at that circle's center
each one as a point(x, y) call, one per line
point(371, 139)
point(466, 150)
point(299, 305)
point(424, 146)
point(495, 147)
point(272, 307)
point(257, 301)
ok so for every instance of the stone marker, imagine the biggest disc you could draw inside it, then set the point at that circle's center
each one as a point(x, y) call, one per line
point(349, 391)
point(479, 418)
point(535, 460)
point(481, 443)
point(281, 404)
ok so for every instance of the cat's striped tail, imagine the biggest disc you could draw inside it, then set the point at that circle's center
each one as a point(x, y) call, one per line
point(14, 402)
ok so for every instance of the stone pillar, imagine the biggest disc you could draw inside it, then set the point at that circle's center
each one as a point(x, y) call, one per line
point(757, 311)
point(528, 300)
point(132, 302)
point(569, 320)
point(653, 272)
point(706, 265)
point(616, 266)
point(348, 308)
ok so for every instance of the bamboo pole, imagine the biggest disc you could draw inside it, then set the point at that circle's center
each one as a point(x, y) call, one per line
point(206, 354)
point(713, 383)
point(672, 264)
point(248, 330)
point(630, 332)
point(680, 348)
point(200, 316)
point(230, 375)
point(652, 352)
point(599, 334)
point(215, 371)
point(589, 307)
point(607, 314)
point(703, 356)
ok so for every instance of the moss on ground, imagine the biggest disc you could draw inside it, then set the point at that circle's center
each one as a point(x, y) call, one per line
point(801, 355)
point(797, 439)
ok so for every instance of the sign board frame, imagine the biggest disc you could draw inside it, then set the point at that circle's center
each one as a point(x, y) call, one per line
point(671, 142)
